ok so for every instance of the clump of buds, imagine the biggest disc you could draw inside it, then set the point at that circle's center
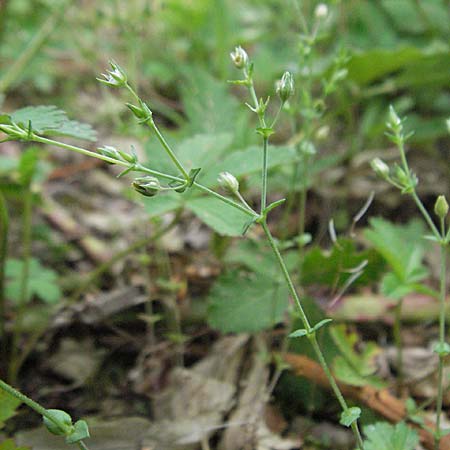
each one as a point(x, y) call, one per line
point(115, 77)
point(239, 57)
point(148, 186)
point(228, 182)
point(285, 86)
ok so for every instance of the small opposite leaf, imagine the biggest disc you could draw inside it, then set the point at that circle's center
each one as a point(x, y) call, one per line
point(193, 175)
point(81, 431)
point(319, 325)
point(298, 333)
point(350, 415)
point(442, 349)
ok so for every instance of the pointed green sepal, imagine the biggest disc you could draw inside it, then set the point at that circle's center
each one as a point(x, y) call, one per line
point(80, 432)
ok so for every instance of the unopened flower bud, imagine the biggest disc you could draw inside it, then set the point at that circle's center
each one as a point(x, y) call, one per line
point(239, 57)
point(441, 207)
point(228, 182)
point(110, 152)
point(285, 87)
point(321, 11)
point(115, 77)
point(148, 186)
point(447, 122)
point(380, 167)
point(394, 122)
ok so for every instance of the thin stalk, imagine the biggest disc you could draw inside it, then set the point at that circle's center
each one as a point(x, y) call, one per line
point(311, 334)
point(4, 228)
point(24, 282)
point(264, 174)
point(160, 137)
point(38, 408)
point(443, 289)
point(426, 216)
point(398, 344)
point(141, 168)
point(169, 151)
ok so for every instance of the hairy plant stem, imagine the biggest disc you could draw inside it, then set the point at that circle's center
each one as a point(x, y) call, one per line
point(24, 283)
point(311, 334)
point(442, 298)
point(160, 137)
point(264, 174)
point(4, 228)
point(140, 168)
point(398, 344)
point(38, 408)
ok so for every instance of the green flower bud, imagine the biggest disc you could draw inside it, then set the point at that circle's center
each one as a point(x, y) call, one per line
point(110, 152)
point(141, 112)
point(148, 186)
point(441, 207)
point(447, 122)
point(239, 57)
point(394, 122)
point(228, 182)
point(285, 86)
point(380, 167)
point(115, 77)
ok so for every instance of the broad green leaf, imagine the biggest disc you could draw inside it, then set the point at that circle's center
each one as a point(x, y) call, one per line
point(384, 436)
point(42, 282)
point(352, 367)
point(207, 103)
point(221, 217)
point(201, 150)
point(246, 303)
point(8, 406)
point(248, 161)
point(402, 246)
point(256, 255)
point(42, 118)
point(49, 120)
point(336, 265)
point(163, 203)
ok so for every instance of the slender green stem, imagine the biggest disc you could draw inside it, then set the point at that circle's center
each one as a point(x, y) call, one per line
point(443, 290)
point(24, 282)
point(426, 216)
point(264, 174)
point(398, 344)
point(141, 168)
point(311, 334)
point(169, 151)
point(4, 227)
point(38, 408)
point(286, 276)
point(160, 137)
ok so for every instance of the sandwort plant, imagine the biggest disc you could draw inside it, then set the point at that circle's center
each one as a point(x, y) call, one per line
point(151, 182)
point(402, 177)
